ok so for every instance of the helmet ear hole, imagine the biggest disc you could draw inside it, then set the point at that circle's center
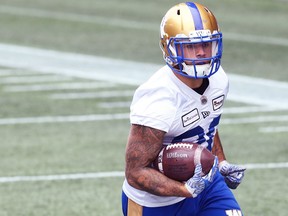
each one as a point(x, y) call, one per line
point(178, 12)
point(206, 9)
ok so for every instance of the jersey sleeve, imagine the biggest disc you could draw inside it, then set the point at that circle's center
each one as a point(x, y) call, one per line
point(153, 108)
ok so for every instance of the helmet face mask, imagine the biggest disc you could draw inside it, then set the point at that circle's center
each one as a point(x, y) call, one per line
point(191, 52)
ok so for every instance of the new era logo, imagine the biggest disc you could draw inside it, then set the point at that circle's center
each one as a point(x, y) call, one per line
point(205, 114)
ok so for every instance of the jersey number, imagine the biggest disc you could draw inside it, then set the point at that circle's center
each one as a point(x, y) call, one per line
point(203, 136)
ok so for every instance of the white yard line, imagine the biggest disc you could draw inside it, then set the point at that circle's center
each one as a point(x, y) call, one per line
point(57, 86)
point(120, 116)
point(88, 95)
point(75, 65)
point(97, 175)
point(34, 79)
point(255, 119)
point(242, 89)
point(251, 109)
point(255, 39)
point(277, 129)
point(62, 177)
point(13, 72)
point(116, 104)
point(266, 165)
point(72, 17)
point(63, 119)
point(123, 23)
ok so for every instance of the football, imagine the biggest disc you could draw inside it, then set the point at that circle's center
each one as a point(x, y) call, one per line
point(178, 160)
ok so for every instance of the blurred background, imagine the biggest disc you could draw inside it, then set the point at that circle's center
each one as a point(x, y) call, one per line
point(68, 70)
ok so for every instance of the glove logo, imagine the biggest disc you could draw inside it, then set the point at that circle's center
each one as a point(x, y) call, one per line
point(234, 212)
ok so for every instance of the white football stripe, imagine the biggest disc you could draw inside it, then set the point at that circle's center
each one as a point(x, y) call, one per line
point(160, 164)
point(197, 155)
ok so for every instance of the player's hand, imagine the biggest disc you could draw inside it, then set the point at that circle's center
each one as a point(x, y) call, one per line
point(232, 173)
point(210, 176)
point(196, 184)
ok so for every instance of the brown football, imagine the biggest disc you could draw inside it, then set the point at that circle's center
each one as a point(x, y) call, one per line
point(178, 160)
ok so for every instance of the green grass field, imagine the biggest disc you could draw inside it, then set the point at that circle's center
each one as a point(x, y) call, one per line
point(63, 118)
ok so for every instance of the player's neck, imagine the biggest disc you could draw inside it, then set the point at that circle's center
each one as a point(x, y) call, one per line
point(190, 82)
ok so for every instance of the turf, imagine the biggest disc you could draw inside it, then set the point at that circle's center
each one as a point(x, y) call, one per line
point(128, 31)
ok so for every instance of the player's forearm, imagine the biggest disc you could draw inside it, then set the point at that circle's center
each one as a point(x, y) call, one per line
point(217, 148)
point(144, 144)
point(156, 183)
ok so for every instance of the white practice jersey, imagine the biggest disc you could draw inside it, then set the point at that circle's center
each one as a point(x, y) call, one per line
point(166, 103)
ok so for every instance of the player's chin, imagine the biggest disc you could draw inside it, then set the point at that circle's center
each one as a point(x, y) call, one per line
point(202, 62)
point(197, 62)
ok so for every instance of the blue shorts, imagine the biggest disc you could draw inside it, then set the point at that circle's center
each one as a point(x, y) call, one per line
point(216, 200)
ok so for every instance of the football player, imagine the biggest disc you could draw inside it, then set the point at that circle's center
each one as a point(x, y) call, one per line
point(181, 102)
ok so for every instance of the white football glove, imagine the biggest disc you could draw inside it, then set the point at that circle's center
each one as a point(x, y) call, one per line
point(196, 184)
point(232, 173)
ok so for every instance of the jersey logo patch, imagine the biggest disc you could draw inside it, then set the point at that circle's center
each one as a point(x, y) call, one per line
point(205, 114)
point(218, 102)
point(190, 117)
